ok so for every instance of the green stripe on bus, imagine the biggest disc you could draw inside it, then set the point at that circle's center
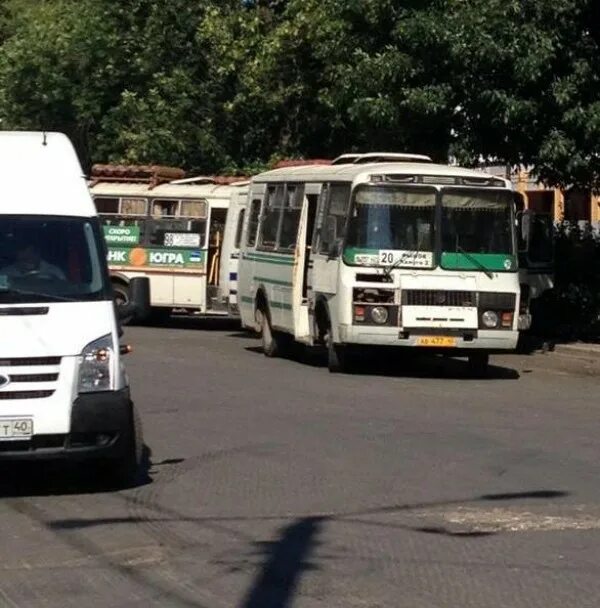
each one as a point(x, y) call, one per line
point(273, 281)
point(285, 261)
point(248, 300)
point(280, 305)
point(497, 262)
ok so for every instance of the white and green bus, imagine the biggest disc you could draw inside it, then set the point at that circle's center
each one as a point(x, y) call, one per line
point(400, 255)
point(171, 233)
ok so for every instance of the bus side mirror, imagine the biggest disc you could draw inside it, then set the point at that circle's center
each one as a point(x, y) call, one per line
point(138, 307)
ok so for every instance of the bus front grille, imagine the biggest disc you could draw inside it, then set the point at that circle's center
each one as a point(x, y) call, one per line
point(438, 297)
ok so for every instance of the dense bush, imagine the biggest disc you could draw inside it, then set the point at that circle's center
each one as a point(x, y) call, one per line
point(572, 309)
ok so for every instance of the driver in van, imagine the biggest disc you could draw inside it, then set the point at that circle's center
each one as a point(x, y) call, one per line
point(28, 262)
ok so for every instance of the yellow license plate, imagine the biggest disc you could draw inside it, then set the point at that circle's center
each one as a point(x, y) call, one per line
point(443, 341)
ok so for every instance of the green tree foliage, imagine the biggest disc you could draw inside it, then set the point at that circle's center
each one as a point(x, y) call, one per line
point(231, 84)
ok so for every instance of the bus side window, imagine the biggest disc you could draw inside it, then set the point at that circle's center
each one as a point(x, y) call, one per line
point(271, 218)
point(291, 217)
point(240, 226)
point(107, 205)
point(253, 222)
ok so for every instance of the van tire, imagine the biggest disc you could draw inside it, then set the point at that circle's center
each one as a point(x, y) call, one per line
point(479, 365)
point(124, 470)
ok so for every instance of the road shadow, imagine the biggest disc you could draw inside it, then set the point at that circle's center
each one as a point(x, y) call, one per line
point(284, 562)
point(63, 478)
point(196, 323)
point(287, 558)
point(402, 364)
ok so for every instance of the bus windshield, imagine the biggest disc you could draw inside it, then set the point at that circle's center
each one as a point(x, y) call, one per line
point(51, 259)
point(476, 223)
point(392, 225)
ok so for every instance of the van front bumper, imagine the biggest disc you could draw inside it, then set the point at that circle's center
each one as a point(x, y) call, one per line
point(466, 340)
point(100, 425)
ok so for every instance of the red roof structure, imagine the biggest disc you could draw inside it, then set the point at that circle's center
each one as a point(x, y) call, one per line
point(152, 174)
point(284, 164)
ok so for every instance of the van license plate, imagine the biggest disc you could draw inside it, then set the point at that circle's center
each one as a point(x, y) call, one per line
point(440, 341)
point(16, 428)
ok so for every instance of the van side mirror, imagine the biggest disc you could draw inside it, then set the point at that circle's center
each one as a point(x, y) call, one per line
point(138, 307)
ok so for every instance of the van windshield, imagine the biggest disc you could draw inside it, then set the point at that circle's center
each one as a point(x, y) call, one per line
point(51, 259)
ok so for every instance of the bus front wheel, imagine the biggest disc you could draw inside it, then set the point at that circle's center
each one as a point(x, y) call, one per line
point(338, 358)
point(478, 364)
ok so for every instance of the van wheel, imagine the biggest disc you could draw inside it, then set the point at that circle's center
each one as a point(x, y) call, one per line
point(338, 359)
point(123, 471)
point(479, 364)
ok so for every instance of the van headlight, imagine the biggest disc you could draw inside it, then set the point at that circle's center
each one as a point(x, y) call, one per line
point(95, 368)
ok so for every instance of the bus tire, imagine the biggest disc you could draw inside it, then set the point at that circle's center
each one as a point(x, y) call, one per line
point(270, 344)
point(479, 364)
point(338, 360)
point(122, 298)
point(160, 315)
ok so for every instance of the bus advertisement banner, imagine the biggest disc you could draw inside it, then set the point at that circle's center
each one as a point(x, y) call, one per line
point(122, 235)
point(142, 257)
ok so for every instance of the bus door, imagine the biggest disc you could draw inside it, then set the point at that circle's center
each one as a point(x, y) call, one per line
point(303, 269)
point(216, 231)
point(186, 238)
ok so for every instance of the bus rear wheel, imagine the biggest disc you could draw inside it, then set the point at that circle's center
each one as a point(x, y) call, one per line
point(274, 344)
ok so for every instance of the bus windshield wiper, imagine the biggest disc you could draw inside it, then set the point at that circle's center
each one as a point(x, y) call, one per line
point(488, 273)
point(35, 294)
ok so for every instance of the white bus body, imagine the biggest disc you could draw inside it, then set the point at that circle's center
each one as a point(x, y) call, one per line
point(395, 254)
point(63, 389)
point(228, 282)
point(171, 233)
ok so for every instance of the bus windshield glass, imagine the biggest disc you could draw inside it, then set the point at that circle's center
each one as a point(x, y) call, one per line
point(477, 228)
point(391, 225)
point(45, 259)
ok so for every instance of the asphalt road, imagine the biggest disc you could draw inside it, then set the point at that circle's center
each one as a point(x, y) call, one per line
point(272, 484)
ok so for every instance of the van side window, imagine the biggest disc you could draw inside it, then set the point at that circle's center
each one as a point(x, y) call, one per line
point(238, 232)
point(292, 210)
point(271, 217)
point(334, 213)
point(253, 219)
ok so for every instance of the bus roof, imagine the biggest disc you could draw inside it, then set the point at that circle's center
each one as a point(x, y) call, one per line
point(166, 190)
point(352, 172)
point(40, 174)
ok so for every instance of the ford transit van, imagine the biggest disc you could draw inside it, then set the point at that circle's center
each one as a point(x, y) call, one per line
point(64, 392)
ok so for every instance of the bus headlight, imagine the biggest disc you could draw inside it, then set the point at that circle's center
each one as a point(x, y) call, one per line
point(379, 314)
point(490, 319)
point(95, 373)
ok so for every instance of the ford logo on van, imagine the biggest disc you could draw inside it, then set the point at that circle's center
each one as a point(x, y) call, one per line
point(4, 381)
